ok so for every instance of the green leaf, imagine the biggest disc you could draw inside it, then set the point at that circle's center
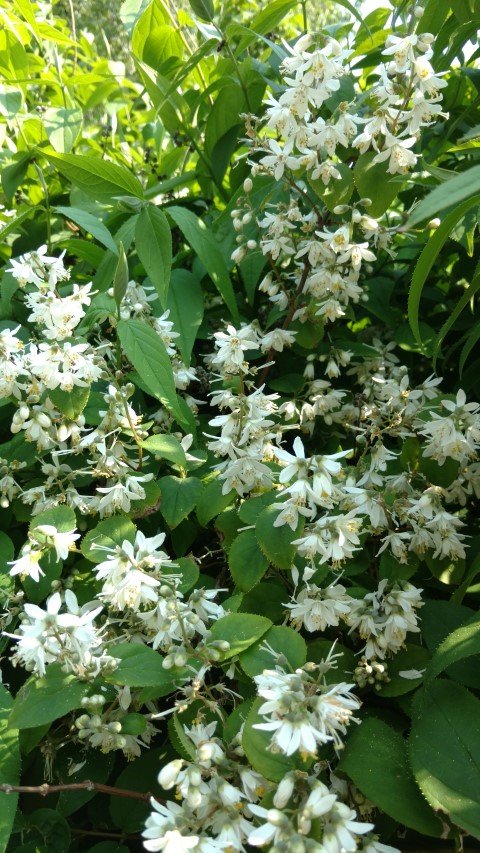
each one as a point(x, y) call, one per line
point(204, 244)
point(49, 829)
point(273, 765)
point(338, 190)
point(7, 583)
point(42, 700)
point(444, 751)
point(448, 194)
point(153, 241)
point(61, 517)
point(161, 44)
point(212, 501)
point(428, 257)
point(246, 561)
point(203, 9)
point(12, 178)
point(185, 303)
point(63, 127)
point(141, 666)
point(289, 645)
point(462, 643)
point(166, 446)
point(375, 759)
point(224, 115)
point(241, 630)
point(276, 542)
point(120, 279)
point(356, 14)
point(90, 224)
point(97, 178)
point(464, 300)
point(9, 766)
point(146, 351)
point(70, 403)
point(179, 498)
point(408, 658)
point(374, 182)
point(109, 533)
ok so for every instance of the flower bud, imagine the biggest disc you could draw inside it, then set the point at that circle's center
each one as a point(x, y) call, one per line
point(247, 185)
point(169, 774)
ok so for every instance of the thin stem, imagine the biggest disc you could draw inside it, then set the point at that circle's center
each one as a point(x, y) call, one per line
point(44, 790)
point(237, 68)
point(304, 13)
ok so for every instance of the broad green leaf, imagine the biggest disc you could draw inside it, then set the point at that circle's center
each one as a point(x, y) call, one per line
point(10, 102)
point(141, 666)
point(14, 224)
point(161, 44)
point(462, 643)
point(42, 700)
point(153, 242)
point(453, 192)
point(138, 775)
point(444, 751)
point(374, 182)
point(409, 658)
point(70, 403)
point(61, 517)
point(185, 303)
point(375, 759)
point(9, 766)
point(246, 561)
point(270, 16)
point(164, 446)
point(153, 16)
point(470, 343)
point(276, 542)
point(97, 178)
point(109, 533)
point(203, 9)
point(338, 190)
point(63, 127)
point(212, 501)
point(224, 115)
point(12, 178)
point(120, 279)
point(49, 829)
point(273, 765)
point(204, 244)
point(89, 223)
point(290, 648)
point(130, 12)
point(241, 630)
point(146, 351)
point(354, 11)
point(428, 257)
point(178, 498)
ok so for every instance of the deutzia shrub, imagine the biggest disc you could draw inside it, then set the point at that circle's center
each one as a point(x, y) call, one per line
point(239, 470)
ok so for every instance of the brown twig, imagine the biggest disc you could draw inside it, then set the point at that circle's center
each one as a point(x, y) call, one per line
point(87, 785)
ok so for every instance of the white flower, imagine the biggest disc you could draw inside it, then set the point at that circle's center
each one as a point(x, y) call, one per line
point(60, 541)
point(28, 565)
point(401, 159)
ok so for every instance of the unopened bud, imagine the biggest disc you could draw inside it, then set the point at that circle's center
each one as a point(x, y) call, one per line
point(248, 185)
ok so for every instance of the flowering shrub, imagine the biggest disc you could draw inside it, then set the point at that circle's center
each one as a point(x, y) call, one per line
point(238, 555)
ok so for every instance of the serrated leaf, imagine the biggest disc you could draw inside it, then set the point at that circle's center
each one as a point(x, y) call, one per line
point(61, 517)
point(463, 642)
point(410, 657)
point(141, 666)
point(289, 645)
point(276, 542)
point(42, 700)
point(90, 224)
point(146, 351)
point(153, 241)
point(453, 192)
point(212, 501)
point(240, 630)
point(179, 498)
point(180, 741)
point(246, 561)
point(109, 533)
point(97, 178)
point(375, 759)
point(166, 447)
point(444, 750)
point(70, 403)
